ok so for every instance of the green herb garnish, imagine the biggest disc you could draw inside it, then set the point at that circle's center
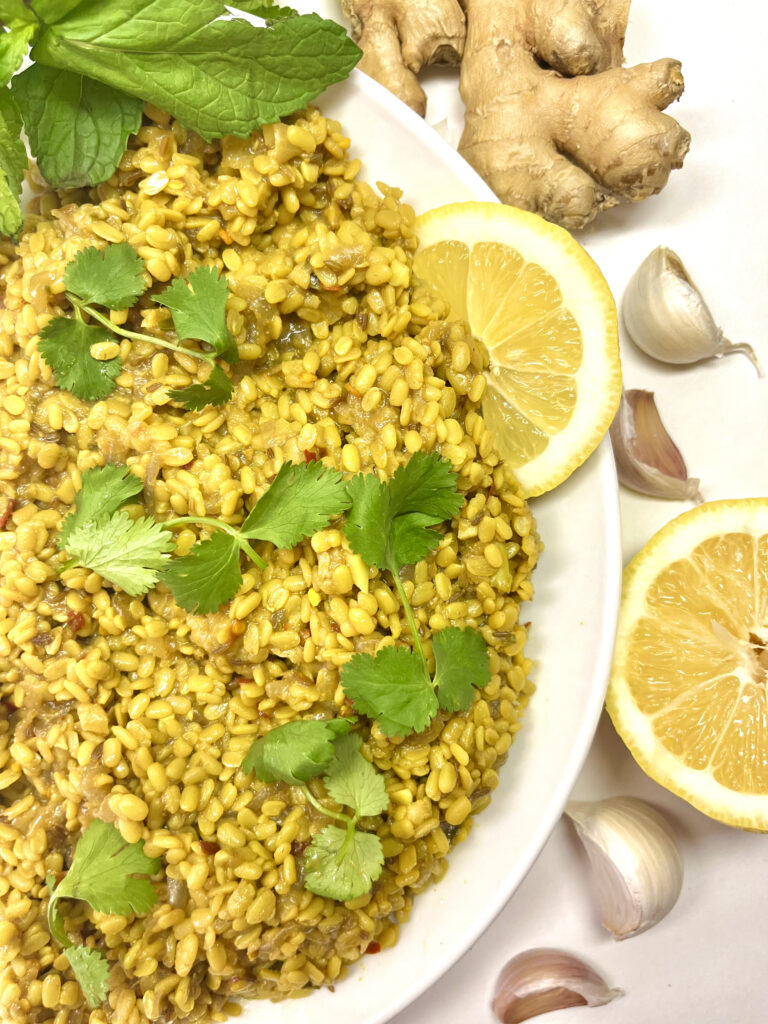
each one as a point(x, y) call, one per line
point(114, 277)
point(98, 61)
point(391, 526)
point(135, 553)
point(341, 862)
point(102, 874)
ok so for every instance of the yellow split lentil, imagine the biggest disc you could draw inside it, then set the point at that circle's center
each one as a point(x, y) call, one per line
point(131, 710)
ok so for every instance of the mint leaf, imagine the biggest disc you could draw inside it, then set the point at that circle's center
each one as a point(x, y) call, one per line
point(461, 664)
point(301, 500)
point(13, 164)
point(51, 11)
point(389, 524)
point(103, 491)
point(207, 577)
point(392, 688)
point(216, 390)
point(199, 309)
point(13, 48)
point(102, 872)
point(77, 128)
point(353, 781)
point(65, 345)
point(264, 9)
point(16, 12)
point(128, 552)
point(296, 751)
point(91, 968)
point(112, 277)
point(342, 864)
point(218, 77)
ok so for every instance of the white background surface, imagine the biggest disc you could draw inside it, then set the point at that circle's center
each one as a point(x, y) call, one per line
point(706, 962)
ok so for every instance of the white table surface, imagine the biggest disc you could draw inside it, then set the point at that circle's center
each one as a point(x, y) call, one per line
point(706, 962)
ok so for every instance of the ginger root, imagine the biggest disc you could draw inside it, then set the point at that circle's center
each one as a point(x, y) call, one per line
point(398, 37)
point(553, 122)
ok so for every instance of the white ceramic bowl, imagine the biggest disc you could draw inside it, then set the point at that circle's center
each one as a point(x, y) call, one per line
point(573, 618)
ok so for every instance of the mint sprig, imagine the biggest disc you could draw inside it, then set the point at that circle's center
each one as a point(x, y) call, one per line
point(98, 61)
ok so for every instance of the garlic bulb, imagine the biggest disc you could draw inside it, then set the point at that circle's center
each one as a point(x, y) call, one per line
point(647, 459)
point(667, 318)
point(635, 860)
point(541, 980)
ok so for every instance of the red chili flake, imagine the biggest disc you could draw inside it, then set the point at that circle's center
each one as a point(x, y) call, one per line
point(305, 633)
point(335, 627)
point(243, 680)
point(310, 456)
point(7, 513)
point(299, 846)
point(373, 947)
point(209, 848)
point(188, 465)
point(75, 621)
point(353, 391)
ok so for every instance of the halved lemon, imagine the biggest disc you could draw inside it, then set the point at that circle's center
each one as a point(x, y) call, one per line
point(546, 315)
point(688, 691)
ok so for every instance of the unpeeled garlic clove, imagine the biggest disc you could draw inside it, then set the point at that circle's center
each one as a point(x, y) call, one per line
point(666, 316)
point(541, 980)
point(647, 459)
point(635, 860)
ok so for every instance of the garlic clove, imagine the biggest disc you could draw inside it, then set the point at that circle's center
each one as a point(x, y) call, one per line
point(635, 860)
point(647, 459)
point(666, 316)
point(544, 979)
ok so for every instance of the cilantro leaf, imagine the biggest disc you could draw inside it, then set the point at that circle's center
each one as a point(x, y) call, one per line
point(199, 309)
point(77, 128)
point(207, 577)
point(342, 864)
point(461, 664)
point(13, 164)
point(352, 780)
point(91, 968)
point(102, 872)
point(216, 390)
point(65, 345)
point(103, 491)
point(128, 552)
point(112, 277)
point(388, 524)
point(392, 688)
point(13, 49)
point(296, 751)
point(301, 500)
point(218, 77)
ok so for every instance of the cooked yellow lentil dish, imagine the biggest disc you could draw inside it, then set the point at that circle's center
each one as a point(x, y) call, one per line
point(134, 712)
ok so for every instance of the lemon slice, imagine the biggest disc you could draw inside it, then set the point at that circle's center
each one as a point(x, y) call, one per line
point(688, 687)
point(546, 315)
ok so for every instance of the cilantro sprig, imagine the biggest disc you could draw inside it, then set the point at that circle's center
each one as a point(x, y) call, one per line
point(342, 862)
point(103, 874)
point(391, 525)
point(135, 553)
point(114, 278)
point(97, 63)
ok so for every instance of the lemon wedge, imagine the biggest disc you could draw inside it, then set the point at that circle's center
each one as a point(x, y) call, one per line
point(689, 685)
point(543, 310)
